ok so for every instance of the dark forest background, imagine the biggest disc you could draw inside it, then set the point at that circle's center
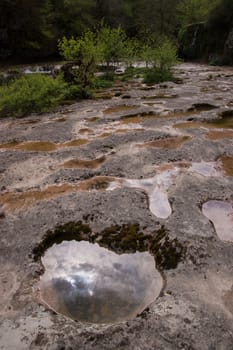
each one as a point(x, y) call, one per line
point(32, 28)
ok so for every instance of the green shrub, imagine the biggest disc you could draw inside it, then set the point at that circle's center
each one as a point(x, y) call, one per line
point(156, 75)
point(31, 93)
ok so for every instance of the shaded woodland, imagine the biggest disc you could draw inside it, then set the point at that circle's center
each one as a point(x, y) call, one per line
point(32, 28)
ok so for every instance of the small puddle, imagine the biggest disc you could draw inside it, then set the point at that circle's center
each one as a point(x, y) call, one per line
point(225, 122)
point(85, 131)
point(99, 183)
point(202, 107)
point(74, 143)
point(21, 200)
point(221, 215)
point(159, 96)
point(167, 143)
point(205, 169)
point(87, 164)
point(228, 300)
point(41, 146)
point(119, 109)
point(220, 134)
point(156, 189)
point(92, 284)
point(227, 164)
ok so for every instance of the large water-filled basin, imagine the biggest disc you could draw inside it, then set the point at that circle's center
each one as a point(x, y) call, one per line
point(92, 284)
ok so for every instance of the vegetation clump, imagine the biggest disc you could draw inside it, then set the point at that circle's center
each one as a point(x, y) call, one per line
point(127, 238)
point(32, 93)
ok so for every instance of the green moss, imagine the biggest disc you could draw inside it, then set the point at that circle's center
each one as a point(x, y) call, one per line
point(127, 238)
point(67, 232)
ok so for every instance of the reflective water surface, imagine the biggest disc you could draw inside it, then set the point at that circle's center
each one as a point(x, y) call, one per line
point(92, 284)
point(221, 214)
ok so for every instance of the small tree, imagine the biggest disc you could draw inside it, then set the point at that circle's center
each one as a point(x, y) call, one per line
point(85, 54)
point(112, 43)
point(162, 56)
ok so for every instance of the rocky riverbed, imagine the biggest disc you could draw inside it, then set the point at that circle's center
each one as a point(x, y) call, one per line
point(131, 170)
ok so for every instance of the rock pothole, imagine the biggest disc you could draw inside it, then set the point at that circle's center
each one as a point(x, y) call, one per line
point(105, 277)
point(220, 213)
point(92, 284)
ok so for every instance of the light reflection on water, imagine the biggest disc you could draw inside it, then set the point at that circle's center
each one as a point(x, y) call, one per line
point(221, 214)
point(92, 284)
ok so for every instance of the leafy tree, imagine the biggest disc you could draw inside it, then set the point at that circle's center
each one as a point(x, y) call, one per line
point(86, 55)
point(163, 56)
point(193, 11)
point(31, 93)
point(113, 44)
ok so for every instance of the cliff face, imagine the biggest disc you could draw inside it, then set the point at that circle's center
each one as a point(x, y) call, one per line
point(211, 41)
point(192, 43)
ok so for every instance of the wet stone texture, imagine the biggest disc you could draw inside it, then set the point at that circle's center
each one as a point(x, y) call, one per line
point(138, 170)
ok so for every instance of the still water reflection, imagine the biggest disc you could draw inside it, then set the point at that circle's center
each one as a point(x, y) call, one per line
point(92, 284)
point(221, 214)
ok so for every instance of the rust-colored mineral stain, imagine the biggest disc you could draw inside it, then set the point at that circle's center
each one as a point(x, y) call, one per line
point(17, 201)
point(42, 146)
point(158, 96)
point(220, 134)
point(133, 120)
point(60, 120)
point(105, 134)
point(87, 164)
point(93, 119)
point(100, 183)
point(225, 122)
point(167, 143)
point(74, 143)
point(191, 125)
point(227, 164)
point(37, 146)
point(228, 300)
point(119, 109)
point(9, 145)
point(85, 131)
point(123, 131)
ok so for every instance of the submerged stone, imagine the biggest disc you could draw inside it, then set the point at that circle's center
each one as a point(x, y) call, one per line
point(221, 215)
point(92, 284)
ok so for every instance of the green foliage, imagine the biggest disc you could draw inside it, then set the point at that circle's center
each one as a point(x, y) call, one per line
point(73, 17)
point(163, 56)
point(155, 75)
point(86, 54)
point(112, 43)
point(32, 93)
point(193, 11)
point(27, 27)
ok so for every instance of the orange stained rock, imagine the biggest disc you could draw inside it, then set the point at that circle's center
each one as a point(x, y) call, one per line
point(41, 146)
point(228, 300)
point(167, 143)
point(100, 183)
point(81, 163)
point(74, 143)
point(16, 201)
point(220, 134)
point(86, 130)
point(118, 109)
point(190, 125)
point(227, 164)
point(21, 200)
